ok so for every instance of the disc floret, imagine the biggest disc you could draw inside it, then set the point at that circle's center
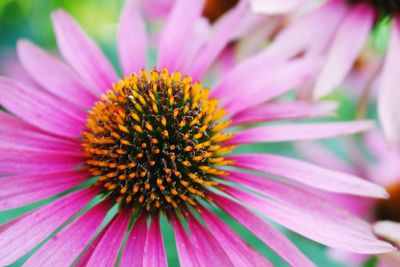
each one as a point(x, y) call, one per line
point(156, 140)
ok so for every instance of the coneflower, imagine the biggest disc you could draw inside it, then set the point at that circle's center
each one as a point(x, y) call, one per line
point(338, 30)
point(157, 143)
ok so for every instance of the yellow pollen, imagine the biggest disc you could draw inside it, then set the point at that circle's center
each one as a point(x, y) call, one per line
point(155, 142)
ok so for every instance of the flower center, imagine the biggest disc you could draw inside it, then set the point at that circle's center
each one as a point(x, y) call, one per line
point(214, 9)
point(383, 7)
point(389, 209)
point(155, 141)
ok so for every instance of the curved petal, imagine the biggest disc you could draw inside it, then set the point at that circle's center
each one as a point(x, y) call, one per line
point(309, 174)
point(321, 155)
point(41, 110)
point(311, 33)
point(178, 27)
point(12, 68)
point(163, 8)
point(389, 230)
point(21, 190)
point(294, 132)
point(239, 252)
point(200, 34)
point(283, 111)
point(63, 248)
point(153, 252)
point(356, 27)
point(132, 39)
point(221, 34)
point(271, 237)
point(106, 252)
point(208, 249)
point(85, 257)
point(298, 199)
point(275, 7)
point(82, 53)
point(320, 229)
point(389, 93)
point(17, 134)
point(134, 249)
point(186, 250)
point(20, 161)
point(268, 84)
point(53, 75)
point(22, 236)
point(227, 85)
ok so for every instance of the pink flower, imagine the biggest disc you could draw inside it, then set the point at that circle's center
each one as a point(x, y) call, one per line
point(339, 29)
point(157, 145)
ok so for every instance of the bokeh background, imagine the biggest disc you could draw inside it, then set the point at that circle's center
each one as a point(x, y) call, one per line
point(30, 19)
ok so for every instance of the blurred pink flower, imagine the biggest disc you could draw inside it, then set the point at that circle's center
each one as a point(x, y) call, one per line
point(375, 162)
point(159, 145)
point(339, 29)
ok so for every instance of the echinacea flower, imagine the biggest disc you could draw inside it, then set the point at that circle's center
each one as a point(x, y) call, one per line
point(158, 144)
point(339, 29)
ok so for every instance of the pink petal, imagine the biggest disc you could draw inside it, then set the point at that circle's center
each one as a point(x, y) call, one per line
point(20, 161)
point(221, 34)
point(269, 84)
point(17, 134)
point(320, 229)
point(377, 145)
point(106, 251)
point(11, 67)
point(356, 27)
point(53, 75)
point(309, 174)
point(154, 253)
point(82, 53)
point(323, 156)
point(178, 27)
point(23, 235)
point(208, 250)
point(299, 199)
point(239, 252)
point(271, 237)
point(389, 259)
point(389, 93)
point(227, 86)
point(63, 248)
point(311, 33)
point(257, 28)
point(275, 7)
point(85, 257)
point(294, 132)
point(132, 39)
point(163, 8)
point(133, 252)
point(40, 109)
point(283, 111)
point(186, 250)
point(200, 34)
point(20, 190)
point(389, 230)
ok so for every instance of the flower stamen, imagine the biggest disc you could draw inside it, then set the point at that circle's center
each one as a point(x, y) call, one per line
point(155, 141)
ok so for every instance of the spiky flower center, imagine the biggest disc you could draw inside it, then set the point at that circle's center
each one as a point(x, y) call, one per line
point(389, 209)
point(383, 7)
point(155, 141)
